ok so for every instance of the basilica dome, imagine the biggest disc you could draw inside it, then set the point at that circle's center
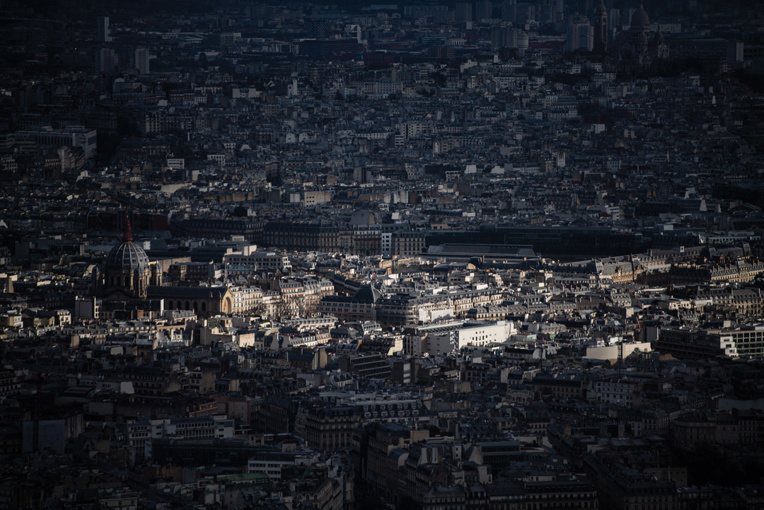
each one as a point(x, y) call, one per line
point(640, 21)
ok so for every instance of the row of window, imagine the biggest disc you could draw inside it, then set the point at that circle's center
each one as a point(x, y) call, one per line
point(179, 304)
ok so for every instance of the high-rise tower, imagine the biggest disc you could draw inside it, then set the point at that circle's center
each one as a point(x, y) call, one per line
point(600, 29)
point(463, 11)
point(483, 10)
point(142, 60)
point(102, 26)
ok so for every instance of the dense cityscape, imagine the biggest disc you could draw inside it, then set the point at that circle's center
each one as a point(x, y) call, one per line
point(450, 255)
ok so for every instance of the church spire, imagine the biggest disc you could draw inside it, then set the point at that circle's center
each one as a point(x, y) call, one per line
point(128, 234)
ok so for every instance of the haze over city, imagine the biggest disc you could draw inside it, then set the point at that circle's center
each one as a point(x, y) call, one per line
point(501, 255)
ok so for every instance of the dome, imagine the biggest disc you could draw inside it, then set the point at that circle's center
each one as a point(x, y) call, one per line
point(640, 20)
point(128, 256)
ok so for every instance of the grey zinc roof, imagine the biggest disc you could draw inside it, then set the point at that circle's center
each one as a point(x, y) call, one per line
point(127, 256)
